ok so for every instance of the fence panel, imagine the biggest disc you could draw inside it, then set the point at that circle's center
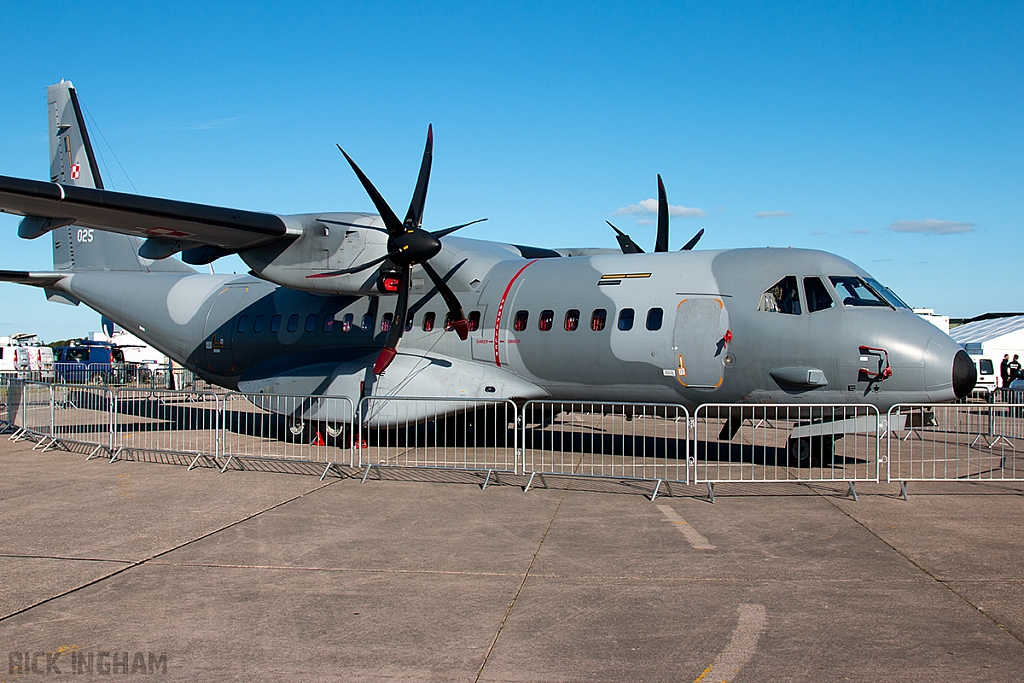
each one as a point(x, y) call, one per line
point(453, 433)
point(769, 443)
point(83, 414)
point(315, 429)
point(616, 440)
point(33, 410)
point(161, 421)
point(955, 441)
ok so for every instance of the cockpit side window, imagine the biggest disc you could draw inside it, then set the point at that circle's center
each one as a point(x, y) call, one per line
point(782, 297)
point(855, 291)
point(817, 295)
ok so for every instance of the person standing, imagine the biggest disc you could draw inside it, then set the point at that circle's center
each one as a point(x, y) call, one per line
point(1014, 367)
point(1004, 371)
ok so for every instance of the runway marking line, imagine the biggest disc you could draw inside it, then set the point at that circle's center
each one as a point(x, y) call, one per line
point(695, 538)
point(741, 647)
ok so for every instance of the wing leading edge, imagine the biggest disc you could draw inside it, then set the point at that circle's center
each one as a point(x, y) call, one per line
point(163, 221)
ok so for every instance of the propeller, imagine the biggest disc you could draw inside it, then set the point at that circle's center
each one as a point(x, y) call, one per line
point(408, 245)
point(627, 244)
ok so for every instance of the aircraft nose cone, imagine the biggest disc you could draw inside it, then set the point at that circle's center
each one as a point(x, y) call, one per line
point(964, 374)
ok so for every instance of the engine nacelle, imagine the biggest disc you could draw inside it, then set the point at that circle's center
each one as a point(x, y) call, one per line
point(329, 242)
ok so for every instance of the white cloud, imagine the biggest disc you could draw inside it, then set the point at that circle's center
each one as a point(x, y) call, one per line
point(645, 221)
point(858, 232)
point(651, 206)
point(772, 214)
point(930, 226)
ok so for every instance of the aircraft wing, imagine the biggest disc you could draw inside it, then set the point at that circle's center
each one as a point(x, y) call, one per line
point(163, 220)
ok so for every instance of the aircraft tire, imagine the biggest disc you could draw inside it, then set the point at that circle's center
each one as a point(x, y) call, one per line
point(799, 452)
point(296, 430)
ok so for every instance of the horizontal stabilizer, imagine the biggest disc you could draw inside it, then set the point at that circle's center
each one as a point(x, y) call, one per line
point(23, 277)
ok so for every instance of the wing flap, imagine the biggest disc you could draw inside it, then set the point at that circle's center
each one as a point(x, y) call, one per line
point(232, 229)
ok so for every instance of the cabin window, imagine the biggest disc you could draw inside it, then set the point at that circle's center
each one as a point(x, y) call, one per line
point(572, 319)
point(817, 295)
point(547, 319)
point(367, 325)
point(328, 322)
point(598, 319)
point(626, 319)
point(984, 366)
point(275, 323)
point(408, 323)
point(293, 322)
point(855, 291)
point(243, 323)
point(474, 321)
point(428, 321)
point(346, 322)
point(310, 322)
point(448, 325)
point(654, 318)
point(521, 319)
point(257, 324)
point(782, 297)
point(385, 322)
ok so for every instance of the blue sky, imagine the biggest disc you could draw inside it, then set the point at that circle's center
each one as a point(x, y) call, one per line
point(889, 133)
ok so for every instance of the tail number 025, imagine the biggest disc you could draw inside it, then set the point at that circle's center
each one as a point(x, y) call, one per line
point(84, 235)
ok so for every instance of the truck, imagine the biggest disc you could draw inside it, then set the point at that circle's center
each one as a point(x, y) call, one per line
point(96, 362)
point(23, 356)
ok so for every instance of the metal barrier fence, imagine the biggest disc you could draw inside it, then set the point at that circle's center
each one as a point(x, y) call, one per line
point(452, 433)
point(609, 440)
point(775, 443)
point(83, 415)
point(949, 442)
point(653, 442)
point(161, 421)
point(315, 429)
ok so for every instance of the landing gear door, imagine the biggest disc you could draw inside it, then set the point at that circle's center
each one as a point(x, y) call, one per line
point(220, 326)
point(700, 339)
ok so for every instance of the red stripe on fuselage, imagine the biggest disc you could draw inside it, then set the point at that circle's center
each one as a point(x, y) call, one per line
point(501, 307)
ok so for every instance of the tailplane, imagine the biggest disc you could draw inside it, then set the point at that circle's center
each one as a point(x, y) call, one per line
point(72, 162)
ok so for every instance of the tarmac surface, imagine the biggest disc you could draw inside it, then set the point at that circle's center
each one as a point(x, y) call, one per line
point(141, 568)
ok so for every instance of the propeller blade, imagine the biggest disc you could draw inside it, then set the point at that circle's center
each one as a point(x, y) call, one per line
point(394, 226)
point(661, 244)
point(456, 316)
point(693, 241)
point(354, 269)
point(390, 350)
point(447, 231)
point(626, 242)
point(414, 218)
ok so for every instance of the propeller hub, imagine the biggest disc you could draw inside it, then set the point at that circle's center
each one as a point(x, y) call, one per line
point(415, 245)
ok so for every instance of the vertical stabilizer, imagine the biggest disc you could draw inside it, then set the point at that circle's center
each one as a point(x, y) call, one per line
point(72, 162)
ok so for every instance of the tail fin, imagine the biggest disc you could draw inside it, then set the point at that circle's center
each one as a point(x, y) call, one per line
point(72, 162)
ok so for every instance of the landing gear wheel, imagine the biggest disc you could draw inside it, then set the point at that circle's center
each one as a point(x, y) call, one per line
point(334, 433)
point(798, 452)
point(810, 451)
point(296, 430)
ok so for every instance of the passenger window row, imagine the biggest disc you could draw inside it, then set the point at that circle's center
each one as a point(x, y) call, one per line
point(598, 319)
point(347, 323)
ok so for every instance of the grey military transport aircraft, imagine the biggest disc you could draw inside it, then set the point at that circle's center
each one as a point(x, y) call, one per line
point(357, 304)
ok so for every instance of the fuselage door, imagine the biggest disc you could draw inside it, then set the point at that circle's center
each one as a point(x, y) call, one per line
point(699, 341)
point(220, 326)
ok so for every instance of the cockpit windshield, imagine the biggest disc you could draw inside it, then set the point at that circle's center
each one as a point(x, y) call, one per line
point(856, 292)
point(886, 293)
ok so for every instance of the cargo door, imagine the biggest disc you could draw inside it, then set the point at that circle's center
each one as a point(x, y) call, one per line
point(699, 341)
point(220, 326)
